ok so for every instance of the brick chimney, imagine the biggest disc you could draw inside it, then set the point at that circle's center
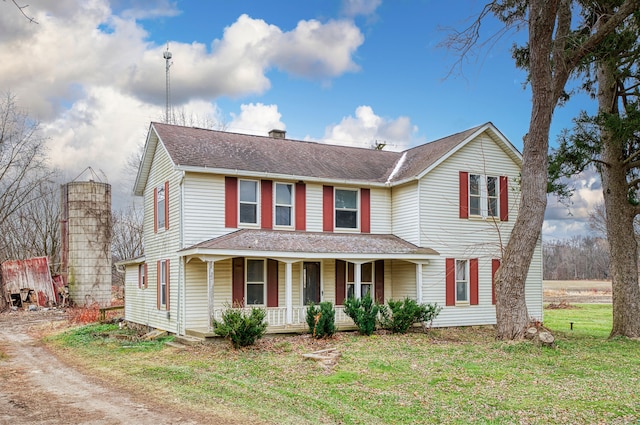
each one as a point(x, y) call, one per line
point(277, 134)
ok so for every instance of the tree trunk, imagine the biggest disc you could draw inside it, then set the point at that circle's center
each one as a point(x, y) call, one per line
point(619, 216)
point(512, 316)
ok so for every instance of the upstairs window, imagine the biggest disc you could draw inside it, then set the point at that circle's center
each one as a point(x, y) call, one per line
point(161, 207)
point(484, 195)
point(248, 202)
point(346, 209)
point(284, 204)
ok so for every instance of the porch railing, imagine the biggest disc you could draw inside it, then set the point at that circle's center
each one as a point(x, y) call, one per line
point(277, 316)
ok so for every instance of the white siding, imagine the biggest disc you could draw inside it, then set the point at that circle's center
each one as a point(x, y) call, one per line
point(404, 280)
point(196, 299)
point(443, 230)
point(404, 212)
point(162, 245)
point(380, 210)
point(314, 208)
point(203, 208)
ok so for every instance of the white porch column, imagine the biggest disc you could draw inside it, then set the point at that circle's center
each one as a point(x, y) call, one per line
point(210, 299)
point(419, 282)
point(288, 296)
point(358, 280)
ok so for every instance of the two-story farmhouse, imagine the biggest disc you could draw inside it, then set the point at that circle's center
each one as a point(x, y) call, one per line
point(240, 220)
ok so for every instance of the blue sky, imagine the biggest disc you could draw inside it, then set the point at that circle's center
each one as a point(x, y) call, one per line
point(338, 71)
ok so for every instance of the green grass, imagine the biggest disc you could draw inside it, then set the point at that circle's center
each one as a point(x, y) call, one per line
point(457, 375)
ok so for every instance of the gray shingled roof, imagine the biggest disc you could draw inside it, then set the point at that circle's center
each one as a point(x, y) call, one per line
point(311, 242)
point(200, 148)
point(196, 147)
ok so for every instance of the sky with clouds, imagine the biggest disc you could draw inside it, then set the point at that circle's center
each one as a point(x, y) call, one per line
point(352, 72)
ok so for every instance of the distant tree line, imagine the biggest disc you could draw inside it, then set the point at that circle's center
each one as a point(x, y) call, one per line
point(581, 257)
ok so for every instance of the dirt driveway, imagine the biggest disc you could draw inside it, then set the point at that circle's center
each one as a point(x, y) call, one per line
point(37, 388)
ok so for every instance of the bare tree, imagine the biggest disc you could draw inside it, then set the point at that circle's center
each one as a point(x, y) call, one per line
point(34, 230)
point(556, 47)
point(127, 233)
point(22, 10)
point(24, 174)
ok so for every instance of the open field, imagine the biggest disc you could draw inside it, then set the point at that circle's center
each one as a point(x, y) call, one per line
point(577, 291)
point(455, 375)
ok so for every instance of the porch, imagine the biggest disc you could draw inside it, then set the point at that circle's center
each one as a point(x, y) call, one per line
point(276, 319)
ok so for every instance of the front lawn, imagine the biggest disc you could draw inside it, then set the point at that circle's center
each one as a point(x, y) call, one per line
point(456, 375)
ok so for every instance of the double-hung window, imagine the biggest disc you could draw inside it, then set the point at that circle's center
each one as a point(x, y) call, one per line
point(142, 276)
point(346, 209)
point(248, 202)
point(462, 281)
point(484, 195)
point(255, 282)
point(164, 283)
point(366, 280)
point(284, 204)
point(160, 208)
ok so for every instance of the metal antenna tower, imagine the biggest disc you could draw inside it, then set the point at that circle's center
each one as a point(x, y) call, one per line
point(167, 57)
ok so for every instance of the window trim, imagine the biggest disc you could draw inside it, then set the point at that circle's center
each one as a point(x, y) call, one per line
point(160, 210)
point(483, 196)
point(257, 203)
point(348, 282)
point(466, 281)
point(292, 216)
point(247, 282)
point(357, 210)
point(163, 285)
point(143, 282)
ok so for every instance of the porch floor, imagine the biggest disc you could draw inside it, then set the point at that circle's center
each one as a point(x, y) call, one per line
point(205, 333)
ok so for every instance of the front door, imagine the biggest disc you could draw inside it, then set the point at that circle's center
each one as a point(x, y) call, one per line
point(311, 283)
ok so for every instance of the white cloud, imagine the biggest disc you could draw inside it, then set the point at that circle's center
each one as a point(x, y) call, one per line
point(367, 128)
point(360, 7)
point(88, 72)
point(256, 119)
point(571, 217)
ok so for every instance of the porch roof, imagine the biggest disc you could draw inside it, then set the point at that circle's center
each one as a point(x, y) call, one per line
point(302, 245)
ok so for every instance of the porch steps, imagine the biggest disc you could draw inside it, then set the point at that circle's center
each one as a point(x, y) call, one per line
point(199, 333)
point(188, 340)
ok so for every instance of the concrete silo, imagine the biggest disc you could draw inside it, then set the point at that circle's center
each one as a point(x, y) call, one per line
point(86, 242)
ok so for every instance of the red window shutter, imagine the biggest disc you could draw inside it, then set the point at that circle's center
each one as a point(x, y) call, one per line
point(166, 205)
point(450, 281)
point(365, 210)
point(341, 289)
point(238, 282)
point(504, 198)
point(266, 197)
point(301, 206)
point(140, 282)
point(158, 270)
point(473, 281)
point(272, 283)
point(167, 291)
point(146, 276)
point(379, 281)
point(495, 264)
point(464, 194)
point(231, 202)
point(327, 208)
point(155, 210)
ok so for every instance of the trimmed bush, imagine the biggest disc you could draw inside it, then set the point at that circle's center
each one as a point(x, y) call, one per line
point(363, 312)
point(321, 319)
point(402, 314)
point(240, 328)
